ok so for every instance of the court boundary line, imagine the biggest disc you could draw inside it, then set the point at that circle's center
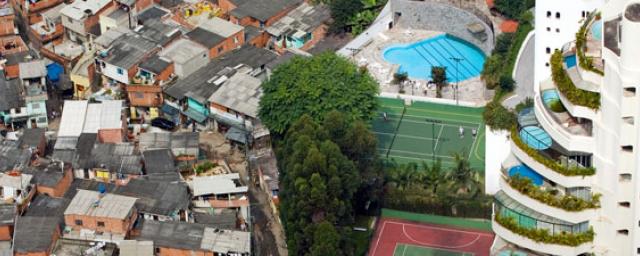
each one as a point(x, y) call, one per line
point(443, 124)
point(473, 145)
point(432, 248)
point(444, 119)
point(437, 111)
point(405, 136)
point(404, 232)
point(411, 152)
point(378, 235)
point(435, 147)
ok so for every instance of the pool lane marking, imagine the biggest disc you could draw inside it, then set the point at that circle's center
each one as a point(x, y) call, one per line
point(435, 147)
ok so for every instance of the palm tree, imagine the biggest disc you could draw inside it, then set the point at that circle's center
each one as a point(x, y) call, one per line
point(402, 176)
point(433, 176)
point(463, 178)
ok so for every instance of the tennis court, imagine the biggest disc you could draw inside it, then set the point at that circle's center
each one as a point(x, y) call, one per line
point(428, 131)
point(414, 250)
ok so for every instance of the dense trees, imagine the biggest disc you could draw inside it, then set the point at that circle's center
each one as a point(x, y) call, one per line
point(326, 170)
point(315, 86)
point(353, 15)
point(514, 9)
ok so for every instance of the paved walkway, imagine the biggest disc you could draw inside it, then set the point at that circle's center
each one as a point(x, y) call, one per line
point(523, 76)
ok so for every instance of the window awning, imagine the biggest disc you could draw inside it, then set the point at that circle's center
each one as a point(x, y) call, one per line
point(195, 115)
point(237, 135)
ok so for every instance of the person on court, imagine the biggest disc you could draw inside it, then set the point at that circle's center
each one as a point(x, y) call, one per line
point(384, 115)
point(461, 132)
point(474, 132)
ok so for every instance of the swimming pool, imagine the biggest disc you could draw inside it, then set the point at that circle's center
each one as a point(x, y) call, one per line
point(417, 58)
point(596, 30)
point(549, 96)
point(535, 137)
point(526, 172)
point(570, 61)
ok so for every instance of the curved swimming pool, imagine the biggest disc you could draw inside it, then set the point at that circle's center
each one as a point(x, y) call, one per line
point(444, 50)
point(526, 172)
point(596, 30)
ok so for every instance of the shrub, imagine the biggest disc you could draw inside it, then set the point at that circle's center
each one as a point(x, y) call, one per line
point(566, 202)
point(567, 88)
point(507, 84)
point(556, 106)
point(550, 163)
point(498, 117)
point(205, 167)
point(526, 103)
point(543, 235)
point(585, 62)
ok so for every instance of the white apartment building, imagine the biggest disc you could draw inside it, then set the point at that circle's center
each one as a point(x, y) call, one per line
point(579, 144)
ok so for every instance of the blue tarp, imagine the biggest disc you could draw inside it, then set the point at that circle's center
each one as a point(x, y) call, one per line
point(53, 72)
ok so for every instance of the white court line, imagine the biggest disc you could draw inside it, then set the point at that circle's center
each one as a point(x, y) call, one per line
point(384, 223)
point(405, 136)
point(435, 147)
point(439, 228)
point(439, 118)
point(420, 154)
point(404, 249)
point(443, 124)
point(474, 142)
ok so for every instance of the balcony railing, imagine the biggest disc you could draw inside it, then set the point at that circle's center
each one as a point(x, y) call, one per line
point(542, 231)
point(552, 196)
point(557, 166)
point(567, 87)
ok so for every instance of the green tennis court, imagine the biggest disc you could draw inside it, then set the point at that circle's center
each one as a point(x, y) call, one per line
point(427, 131)
point(413, 250)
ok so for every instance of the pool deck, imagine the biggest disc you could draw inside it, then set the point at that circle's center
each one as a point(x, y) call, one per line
point(471, 90)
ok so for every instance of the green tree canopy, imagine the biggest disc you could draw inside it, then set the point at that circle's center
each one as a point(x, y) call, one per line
point(318, 184)
point(315, 86)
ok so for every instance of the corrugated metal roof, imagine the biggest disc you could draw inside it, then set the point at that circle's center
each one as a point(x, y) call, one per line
point(215, 185)
point(73, 116)
point(90, 203)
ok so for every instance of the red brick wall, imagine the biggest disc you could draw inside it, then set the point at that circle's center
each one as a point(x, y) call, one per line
point(7, 25)
point(151, 95)
point(114, 226)
point(6, 232)
point(227, 45)
point(12, 71)
point(59, 189)
point(261, 40)
point(143, 4)
point(95, 18)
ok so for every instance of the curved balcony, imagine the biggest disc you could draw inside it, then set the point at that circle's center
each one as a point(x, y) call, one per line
point(521, 225)
point(570, 133)
point(552, 249)
point(547, 172)
point(574, 216)
point(580, 103)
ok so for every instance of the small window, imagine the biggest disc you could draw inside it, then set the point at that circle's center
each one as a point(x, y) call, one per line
point(627, 148)
point(157, 250)
point(78, 222)
point(624, 204)
point(138, 95)
point(623, 232)
point(629, 91)
point(100, 223)
point(557, 30)
point(548, 14)
point(235, 40)
point(546, 64)
point(120, 71)
point(220, 49)
point(625, 177)
point(548, 29)
point(548, 50)
point(557, 15)
point(584, 14)
point(638, 250)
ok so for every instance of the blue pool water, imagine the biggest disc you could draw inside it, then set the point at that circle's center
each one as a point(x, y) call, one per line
point(596, 30)
point(526, 172)
point(549, 96)
point(417, 58)
point(535, 137)
point(570, 61)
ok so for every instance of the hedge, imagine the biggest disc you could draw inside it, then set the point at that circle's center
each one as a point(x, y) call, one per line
point(543, 235)
point(567, 88)
point(549, 163)
point(585, 62)
point(477, 208)
point(566, 202)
